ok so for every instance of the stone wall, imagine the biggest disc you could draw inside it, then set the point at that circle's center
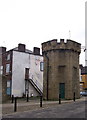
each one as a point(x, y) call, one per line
point(61, 65)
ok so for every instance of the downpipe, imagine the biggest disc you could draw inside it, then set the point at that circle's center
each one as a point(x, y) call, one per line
point(47, 73)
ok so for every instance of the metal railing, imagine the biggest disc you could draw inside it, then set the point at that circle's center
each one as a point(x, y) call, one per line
point(38, 84)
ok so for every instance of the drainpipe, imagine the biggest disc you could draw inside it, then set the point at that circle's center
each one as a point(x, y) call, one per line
point(47, 73)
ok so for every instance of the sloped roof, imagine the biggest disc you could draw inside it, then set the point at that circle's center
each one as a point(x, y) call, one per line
point(28, 51)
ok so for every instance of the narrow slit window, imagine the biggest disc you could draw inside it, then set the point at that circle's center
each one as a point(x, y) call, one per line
point(41, 66)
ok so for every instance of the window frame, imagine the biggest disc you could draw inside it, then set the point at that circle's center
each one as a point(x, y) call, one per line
point(1, 69)
point(41, 66)
point(7, 68)
point(8, 57)
point(8, 91)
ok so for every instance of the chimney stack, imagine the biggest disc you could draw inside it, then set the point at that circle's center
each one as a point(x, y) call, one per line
point(36, 51)
point(2, 49)
point(21, 47)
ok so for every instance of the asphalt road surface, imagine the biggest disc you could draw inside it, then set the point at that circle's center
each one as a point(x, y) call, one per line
point(76, 109)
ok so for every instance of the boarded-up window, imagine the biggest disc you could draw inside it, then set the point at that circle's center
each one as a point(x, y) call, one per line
point(26, 73)
point(61, 73)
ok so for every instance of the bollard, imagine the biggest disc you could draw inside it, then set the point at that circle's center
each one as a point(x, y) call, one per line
point(12, 98)
point(15, 104)
point(59, 98)
point(41, 101)
point(74, 97)
point(27, 98)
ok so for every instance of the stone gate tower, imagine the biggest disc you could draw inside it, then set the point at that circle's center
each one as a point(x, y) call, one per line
point(61, 69)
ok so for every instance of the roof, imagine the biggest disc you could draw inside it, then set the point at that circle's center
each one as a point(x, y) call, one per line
point(26, 50)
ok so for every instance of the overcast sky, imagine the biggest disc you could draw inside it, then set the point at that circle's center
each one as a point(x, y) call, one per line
point(33, 22)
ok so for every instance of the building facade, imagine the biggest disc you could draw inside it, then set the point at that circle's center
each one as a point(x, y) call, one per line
point(80, 77)
point(16, 63)
point(83, 82)
point(61, 69)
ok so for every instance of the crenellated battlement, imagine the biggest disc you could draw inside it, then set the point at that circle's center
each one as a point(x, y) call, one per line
point(54, 45)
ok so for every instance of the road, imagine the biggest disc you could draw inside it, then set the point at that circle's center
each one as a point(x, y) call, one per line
point(76, 109)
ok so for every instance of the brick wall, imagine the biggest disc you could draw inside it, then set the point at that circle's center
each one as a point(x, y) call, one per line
point(6, 76)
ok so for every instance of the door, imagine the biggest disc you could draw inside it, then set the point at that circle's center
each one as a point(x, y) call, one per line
point(62, 90)
point(8, 87)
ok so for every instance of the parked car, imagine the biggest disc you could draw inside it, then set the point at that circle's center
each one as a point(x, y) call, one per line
point(84, 93)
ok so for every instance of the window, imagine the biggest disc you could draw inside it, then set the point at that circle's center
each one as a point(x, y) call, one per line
point(8, 83)
point(80, 78)
point(8, 87)
point(7, 68)
point(8, 57)
point(1, 70)
point(41, 66)
point(26, 73)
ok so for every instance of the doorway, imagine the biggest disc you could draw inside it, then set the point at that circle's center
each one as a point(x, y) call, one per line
point(62, 90)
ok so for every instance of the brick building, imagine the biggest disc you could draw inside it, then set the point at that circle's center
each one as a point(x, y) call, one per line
point(21, 71)
point(61, 69)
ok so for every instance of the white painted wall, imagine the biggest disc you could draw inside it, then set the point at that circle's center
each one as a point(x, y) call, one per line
point(32, 91)
point(35, 74)
point(20, 62)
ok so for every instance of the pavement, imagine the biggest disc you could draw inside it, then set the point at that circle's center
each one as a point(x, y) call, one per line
point(22, 106)
point(68, 110)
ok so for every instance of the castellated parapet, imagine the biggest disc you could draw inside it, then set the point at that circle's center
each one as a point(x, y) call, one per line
point(54, 45)
point(61, 69)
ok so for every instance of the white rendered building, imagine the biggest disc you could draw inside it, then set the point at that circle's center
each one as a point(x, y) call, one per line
point(19, 63)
